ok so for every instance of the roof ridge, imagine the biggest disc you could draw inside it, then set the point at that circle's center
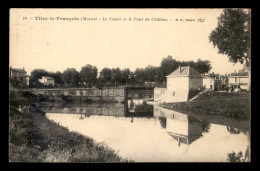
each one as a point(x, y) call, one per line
point(195, 70)
point(17, 69)
point(184, 70)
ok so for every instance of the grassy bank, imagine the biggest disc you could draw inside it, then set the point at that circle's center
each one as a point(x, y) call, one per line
point(34, 138)
point(233, 105)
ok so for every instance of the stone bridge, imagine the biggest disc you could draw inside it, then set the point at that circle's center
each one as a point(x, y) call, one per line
point(113, 94)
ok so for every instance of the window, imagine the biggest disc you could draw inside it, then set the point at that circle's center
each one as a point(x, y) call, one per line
point(235, 79)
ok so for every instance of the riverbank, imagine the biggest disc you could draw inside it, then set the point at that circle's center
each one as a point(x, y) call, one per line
point(231, 105)
point(34, 138)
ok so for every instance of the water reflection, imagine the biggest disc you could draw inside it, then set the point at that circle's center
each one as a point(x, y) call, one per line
point(233, 157)
point(233, 130)
point(111, 109)
point(163, 122)
point(148, 133)
point(138, 108)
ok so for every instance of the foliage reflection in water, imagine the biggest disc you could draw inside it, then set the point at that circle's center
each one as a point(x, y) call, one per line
point(147, 133)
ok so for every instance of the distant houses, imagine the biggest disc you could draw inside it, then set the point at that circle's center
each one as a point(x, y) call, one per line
point(215, 81)
point(239, 80)
point(47, 81)
point(208, 82)
point(18, 77)
point(185, 82)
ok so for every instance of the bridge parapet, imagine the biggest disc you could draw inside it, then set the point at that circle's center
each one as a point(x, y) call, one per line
point(116, 94)
point(105, 94)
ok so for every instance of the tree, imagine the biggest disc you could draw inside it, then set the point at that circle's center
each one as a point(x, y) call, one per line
point(132, 77)
point(57, 78)
point(139, 75)
point(168, 65)
point(70, 77)
point(202, 66)
point(232, 37)
point(88, 74)
point(37, 74)
point(116, 75)
point(125, 75)
point(16, 83)
point(151, 73)
point(106, 75)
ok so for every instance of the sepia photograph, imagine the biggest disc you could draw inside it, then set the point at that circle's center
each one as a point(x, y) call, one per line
point(128, 85)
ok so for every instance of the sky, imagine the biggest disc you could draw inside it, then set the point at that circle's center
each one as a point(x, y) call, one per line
point(108, 38)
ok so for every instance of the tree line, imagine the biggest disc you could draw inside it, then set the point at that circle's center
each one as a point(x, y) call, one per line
point(110, 77)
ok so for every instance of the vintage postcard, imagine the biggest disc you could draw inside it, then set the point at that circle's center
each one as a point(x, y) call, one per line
point(129, 85)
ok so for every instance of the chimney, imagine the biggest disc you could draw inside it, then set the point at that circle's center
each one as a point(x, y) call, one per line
point(180, 69)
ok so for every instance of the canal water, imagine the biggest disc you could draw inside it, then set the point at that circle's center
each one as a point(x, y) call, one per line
point(149, 133)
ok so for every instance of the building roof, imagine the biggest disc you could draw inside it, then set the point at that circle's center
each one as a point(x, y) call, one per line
point(239, 74)
point(48, 78)
point(18, 70)
point(184, 71)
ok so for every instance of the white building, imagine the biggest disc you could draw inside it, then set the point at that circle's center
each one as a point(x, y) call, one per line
point(208, 82)
point(239, 79)
point(179, 126)
point(179, 84)
point(47, 81)
point(181, 81)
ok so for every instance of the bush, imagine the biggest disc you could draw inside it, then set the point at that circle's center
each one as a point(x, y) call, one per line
point(34, 138)
point(233, 105)
point(193, 93)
